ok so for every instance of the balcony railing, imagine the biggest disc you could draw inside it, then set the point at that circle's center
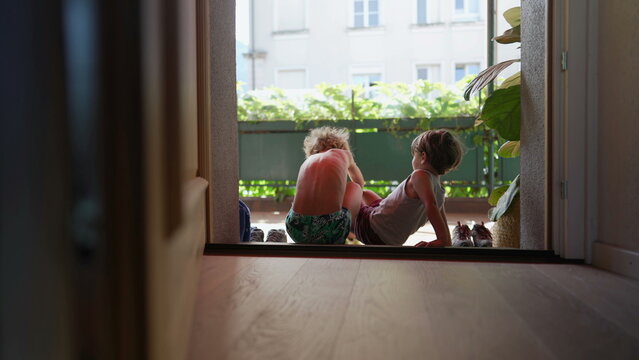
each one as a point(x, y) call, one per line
point(272, 151)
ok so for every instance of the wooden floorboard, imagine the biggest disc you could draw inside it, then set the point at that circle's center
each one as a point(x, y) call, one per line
point(599, 291)
point(225, 309)
point(565, 324)
point(310, 308)
point(472, 320)
point(303, 322)
point(376, 324)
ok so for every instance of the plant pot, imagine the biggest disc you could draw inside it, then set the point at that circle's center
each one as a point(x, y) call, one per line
point(506, 230)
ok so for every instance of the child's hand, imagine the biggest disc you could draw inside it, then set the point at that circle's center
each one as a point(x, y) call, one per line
point(434, 243)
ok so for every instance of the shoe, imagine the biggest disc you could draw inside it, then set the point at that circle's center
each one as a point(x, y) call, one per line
point(257, 235)
point(276, 235)
point(482, 236)
point(462, 236)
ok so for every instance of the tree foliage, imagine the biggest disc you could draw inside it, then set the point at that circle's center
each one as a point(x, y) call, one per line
point(421, 100)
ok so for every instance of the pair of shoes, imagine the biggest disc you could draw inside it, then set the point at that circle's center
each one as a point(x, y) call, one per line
point(257, 235)
point(462, 236)
point(482, 236)
point(479, 236)
point(276, 235)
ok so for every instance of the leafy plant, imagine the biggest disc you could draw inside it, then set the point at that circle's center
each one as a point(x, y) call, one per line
point(502, 111)
point(421, 100)
point(506, 196)
point(279, 190)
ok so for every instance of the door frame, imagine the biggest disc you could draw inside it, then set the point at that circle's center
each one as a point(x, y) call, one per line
point(572, 99)
point(570, 156)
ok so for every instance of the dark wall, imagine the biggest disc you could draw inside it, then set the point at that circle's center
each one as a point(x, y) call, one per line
point(618, 123)
point(35, 187)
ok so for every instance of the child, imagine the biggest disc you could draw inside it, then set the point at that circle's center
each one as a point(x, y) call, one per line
point(325, 202)
point(417, 199)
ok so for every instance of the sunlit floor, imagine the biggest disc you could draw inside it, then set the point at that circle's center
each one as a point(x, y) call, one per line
point(275, 220)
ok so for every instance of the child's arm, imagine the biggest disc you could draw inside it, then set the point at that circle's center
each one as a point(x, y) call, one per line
point(354, 172)
point(444, 218)
point(424, 189)
point(438, 243)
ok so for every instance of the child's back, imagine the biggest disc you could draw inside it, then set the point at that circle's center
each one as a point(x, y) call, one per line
point(321, 183)
point(398, 216)
point(325, 203)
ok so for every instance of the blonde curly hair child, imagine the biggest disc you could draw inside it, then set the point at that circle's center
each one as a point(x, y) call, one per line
point(325, 138)
point(325, 203)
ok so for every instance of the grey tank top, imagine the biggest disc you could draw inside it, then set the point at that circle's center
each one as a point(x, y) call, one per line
point(399, 216)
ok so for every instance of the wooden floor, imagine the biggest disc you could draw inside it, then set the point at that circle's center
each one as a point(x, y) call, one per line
point(301, 308)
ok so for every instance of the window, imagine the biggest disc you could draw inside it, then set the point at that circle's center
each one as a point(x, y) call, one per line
point(427, 11)
point(429, 73)
point(290, 15)
point(422, 12)
point(466, 10)
point(365, 13)
point(367, 80)
point(461, 70)
point(291, 79)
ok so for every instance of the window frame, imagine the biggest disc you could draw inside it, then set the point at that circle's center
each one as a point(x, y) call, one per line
point(433, 12)
point(365, 70)
point(428, 65)
point(366, 13)
point(465, 64)
point(466, 15)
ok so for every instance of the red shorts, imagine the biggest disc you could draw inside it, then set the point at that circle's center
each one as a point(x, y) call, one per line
point(362, 226)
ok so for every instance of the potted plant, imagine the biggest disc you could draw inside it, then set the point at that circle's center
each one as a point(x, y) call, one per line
point(502, 113)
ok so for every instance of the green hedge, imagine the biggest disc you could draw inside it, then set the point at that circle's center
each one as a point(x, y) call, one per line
point(421, 100)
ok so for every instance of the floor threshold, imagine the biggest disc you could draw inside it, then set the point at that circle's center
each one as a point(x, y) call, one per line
point(388, 252)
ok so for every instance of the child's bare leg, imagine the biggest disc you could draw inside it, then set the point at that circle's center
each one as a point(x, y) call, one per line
point(369, 196)
point(352, 199)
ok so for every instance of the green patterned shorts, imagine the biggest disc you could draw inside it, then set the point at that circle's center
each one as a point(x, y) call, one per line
point(319, 229)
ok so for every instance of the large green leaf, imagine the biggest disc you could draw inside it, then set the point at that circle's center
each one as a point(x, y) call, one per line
point(510, 149)
point(513, 16)
point(502, 112)
point(496, 194)
point(505, 201)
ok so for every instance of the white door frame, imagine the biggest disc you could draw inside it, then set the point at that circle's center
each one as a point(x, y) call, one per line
point(573, 131)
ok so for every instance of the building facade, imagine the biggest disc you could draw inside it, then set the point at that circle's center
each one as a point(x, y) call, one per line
point(297, 44)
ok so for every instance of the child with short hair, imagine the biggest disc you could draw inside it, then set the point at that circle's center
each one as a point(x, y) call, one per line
point(419, 198)
point(325, 203)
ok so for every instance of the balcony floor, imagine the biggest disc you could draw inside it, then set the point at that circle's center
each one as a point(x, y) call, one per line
point(267, 220)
